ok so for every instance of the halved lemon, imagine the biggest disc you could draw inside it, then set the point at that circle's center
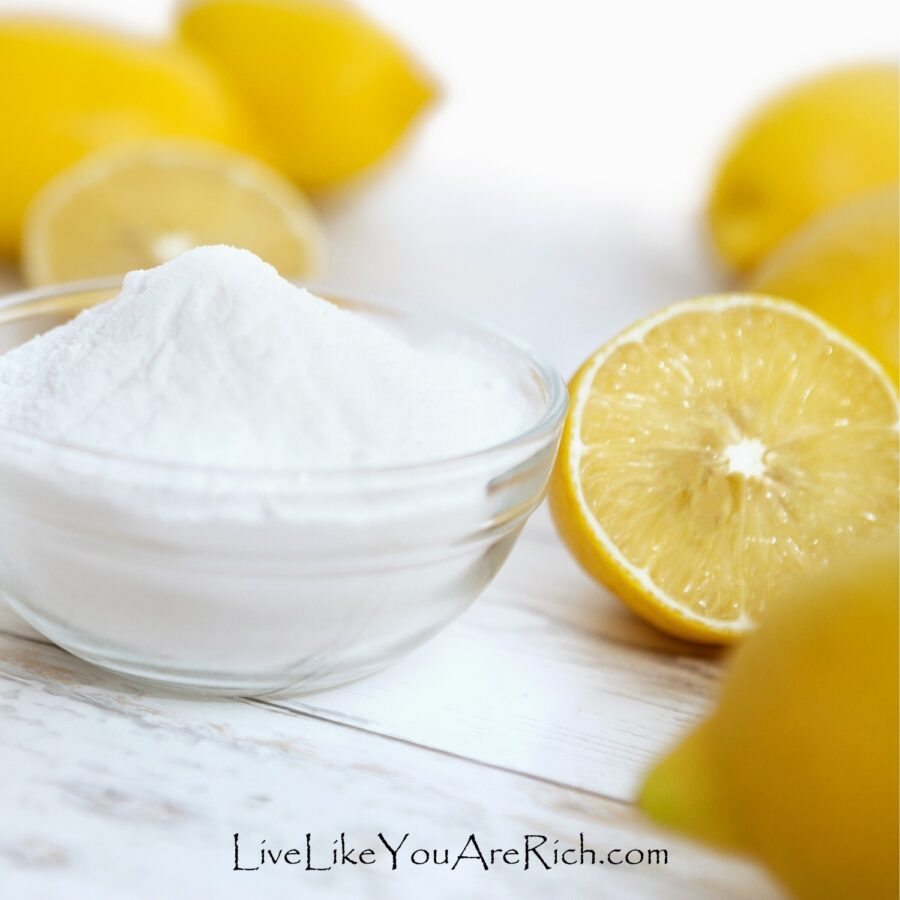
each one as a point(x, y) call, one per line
point(716, 451)
point(138, 205)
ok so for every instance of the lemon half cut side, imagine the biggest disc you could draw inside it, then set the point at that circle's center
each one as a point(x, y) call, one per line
point(138, 205)
point(718, 450)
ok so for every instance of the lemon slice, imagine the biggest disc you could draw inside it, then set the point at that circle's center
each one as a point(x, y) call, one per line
point(717, 451)
point(136, 206)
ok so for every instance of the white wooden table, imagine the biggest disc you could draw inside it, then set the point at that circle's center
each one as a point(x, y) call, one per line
point(535, 713)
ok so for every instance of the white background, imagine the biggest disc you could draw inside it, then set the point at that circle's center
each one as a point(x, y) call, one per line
point(555, 192)
point(568, 160)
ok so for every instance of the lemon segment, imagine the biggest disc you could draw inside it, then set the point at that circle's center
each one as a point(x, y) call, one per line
point(845, 266)
point(814, 146)
point(329, 89)
point(73, 90)
point(136, 206)
point(717, 451)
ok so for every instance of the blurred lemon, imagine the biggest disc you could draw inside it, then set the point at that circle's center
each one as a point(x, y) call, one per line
point(71, 90)
point(719, 450)
point(814, 146)
point(135, 206)
point(331, 91)
point(845, 265)
point(798, 765)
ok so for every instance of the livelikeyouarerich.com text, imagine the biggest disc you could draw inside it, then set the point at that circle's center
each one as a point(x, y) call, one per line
point(533, 851)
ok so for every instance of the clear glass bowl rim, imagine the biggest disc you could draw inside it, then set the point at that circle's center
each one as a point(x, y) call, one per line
point(536, 435)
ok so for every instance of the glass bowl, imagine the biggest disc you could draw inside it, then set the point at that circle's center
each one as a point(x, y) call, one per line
point(239, 582)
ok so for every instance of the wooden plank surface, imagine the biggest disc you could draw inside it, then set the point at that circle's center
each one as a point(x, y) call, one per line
point(534, 713)
point(551, 678)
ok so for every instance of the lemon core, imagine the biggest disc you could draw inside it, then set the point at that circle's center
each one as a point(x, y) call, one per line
point(746, 457)
point(171, 244)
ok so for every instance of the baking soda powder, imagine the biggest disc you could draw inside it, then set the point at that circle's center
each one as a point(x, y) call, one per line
point(213, 359)
point(206, 481)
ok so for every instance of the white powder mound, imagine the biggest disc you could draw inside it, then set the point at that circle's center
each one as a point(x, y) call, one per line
point(213, 359)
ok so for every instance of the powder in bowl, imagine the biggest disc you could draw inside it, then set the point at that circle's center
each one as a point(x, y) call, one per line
point(203, 539)
point(213, 359)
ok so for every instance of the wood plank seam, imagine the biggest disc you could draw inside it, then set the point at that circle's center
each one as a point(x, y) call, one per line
point(335, 722)
point(496, 767)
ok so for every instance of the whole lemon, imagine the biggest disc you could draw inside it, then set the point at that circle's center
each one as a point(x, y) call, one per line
point(72, 89)
point(798, 765)
point(330, 90)
point(845, 266)
point(814, 146)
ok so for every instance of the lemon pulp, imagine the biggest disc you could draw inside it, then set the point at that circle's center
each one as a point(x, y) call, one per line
point(137, 206)
point(717, 451)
